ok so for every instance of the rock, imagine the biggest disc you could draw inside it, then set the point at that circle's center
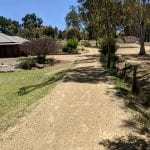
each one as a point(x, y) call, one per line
point(39, 66)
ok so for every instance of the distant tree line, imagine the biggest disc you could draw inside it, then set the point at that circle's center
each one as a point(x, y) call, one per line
point(31, 28)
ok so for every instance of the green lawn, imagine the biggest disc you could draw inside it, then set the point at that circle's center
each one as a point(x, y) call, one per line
point(18, 90)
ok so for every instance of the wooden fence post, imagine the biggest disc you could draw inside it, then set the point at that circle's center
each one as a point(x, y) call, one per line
point(134, 79)
point(125, 70)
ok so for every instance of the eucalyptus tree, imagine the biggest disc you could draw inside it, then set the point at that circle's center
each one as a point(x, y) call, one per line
point(136, 15)
point(142, 7)
point(90, 14)
point(31, 21)
point(72, 18)
point(143, 19)
point(101, 18)
point(8, 26)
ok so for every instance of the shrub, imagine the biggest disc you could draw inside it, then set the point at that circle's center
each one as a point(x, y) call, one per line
point(41, 59)
point(65, 48)
point(70, 45)
point(40, 48)
point(104, 42)
point(27, 63)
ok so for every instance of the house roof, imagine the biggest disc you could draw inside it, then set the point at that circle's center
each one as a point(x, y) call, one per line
point(11, 40)
point(19, 39)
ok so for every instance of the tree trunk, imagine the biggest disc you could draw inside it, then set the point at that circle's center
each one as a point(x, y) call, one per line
point(134, 80)
point(142, 37)
point(108, 38)
point(148, 37)
point(142, 31)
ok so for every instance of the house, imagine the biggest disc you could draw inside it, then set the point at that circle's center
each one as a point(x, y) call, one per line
point(10, 46)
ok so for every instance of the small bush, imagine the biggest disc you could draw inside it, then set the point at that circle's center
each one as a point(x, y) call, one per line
point(40, 48)
point(104, 42)
point(65, 48)
point(70, 45)
point(86, 44)
point(41, 59)
point(27, 63)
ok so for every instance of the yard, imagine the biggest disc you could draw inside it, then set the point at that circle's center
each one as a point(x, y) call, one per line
point(20, 89)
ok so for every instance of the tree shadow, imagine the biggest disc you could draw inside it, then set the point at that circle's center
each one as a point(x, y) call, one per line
point(126, 143)
point(88, 74)
point(87, 60)
point(133, 102)
point(50, 81)
point(141, 120)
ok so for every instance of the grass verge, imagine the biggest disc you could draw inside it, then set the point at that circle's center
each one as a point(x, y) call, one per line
point(19, 90)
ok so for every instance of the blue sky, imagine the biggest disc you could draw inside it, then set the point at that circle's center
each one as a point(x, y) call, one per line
point(52, 12)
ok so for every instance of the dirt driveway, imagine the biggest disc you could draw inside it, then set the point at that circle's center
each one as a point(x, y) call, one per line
point(81, 112)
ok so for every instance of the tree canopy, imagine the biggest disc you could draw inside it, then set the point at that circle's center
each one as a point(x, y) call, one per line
point(31, 21)
point(72, 18)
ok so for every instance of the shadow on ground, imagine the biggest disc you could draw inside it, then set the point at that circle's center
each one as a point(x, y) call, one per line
point(140, 121)
point(50, 81)
point(89, 74)
point(133, 102)
point(126, 143)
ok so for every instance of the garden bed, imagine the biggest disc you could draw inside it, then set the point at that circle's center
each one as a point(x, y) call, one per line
point(11, 64)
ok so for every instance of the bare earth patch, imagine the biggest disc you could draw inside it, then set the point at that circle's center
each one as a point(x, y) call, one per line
point(131, 49)
point(79, 114)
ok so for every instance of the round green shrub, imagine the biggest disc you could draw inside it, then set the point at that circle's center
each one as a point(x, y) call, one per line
point(27, 64)
point(70, 45)
point(104, 42)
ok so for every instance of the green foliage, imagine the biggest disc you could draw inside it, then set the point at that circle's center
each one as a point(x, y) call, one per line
point(100, 16)
point(104, 60)
point(9, 26)
point(31, 21)
point(35, 33)
point(27, 63)
point(41, 59)
point(70, 45)
point(73, 33)
point(65, 48)
point(50, 32)
point(72, 18)
point(104, 43)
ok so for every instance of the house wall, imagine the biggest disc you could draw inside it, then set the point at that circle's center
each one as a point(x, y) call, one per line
point(7, 51)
